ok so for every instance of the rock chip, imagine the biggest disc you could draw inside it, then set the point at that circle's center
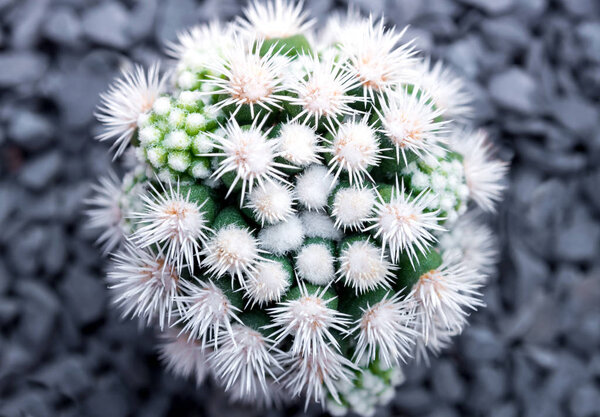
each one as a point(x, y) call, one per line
point(514, 89)
point(84, 296)
point(106, 24)
point(21, 68)
point(30, 130)
point(41, 171)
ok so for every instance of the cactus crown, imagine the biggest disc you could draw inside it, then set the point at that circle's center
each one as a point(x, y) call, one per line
point(295, 217)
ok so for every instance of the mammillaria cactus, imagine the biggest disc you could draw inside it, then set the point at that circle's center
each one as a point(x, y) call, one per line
point(297, 221)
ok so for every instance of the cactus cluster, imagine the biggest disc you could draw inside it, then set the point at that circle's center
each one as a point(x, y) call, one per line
point(299, 219)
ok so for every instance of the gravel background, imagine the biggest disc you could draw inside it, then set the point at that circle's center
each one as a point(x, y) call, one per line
point(535, 351)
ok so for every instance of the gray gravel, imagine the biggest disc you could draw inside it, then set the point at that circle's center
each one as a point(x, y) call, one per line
point(535, 351)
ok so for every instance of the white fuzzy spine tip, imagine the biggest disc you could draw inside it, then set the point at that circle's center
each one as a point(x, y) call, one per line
point(323, 94)
point(409, 122)
point(403, 224)
point(444, 297)
point(271, 203)
point(309, 320)
point(144, 285)
point(447, 91)
point(126, 100)
point(248, 154)
point(354, 149)
point(268, 283)
point(173, 223)
point(232, 251)
point(386, 330)
point(206, 311)
point(317, 224)
point(316, 375)
point(283, 237)
point(299, 144)
point(249, 77)
point(244, 359)
point(471, 241)
point(315, 264)
point(364, 267)
point(352, 206)
point(379, 61)
point(484, 175)
point(104, 212)
point(313, 187)
point(274, 19)
point(183, 357)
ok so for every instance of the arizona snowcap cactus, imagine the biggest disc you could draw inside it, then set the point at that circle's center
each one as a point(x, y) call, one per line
point(296, 222)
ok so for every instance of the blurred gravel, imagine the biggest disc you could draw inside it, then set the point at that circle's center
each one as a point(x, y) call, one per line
point(535, 351)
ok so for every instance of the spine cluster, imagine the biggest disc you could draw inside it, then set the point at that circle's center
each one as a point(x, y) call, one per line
point(301, 217)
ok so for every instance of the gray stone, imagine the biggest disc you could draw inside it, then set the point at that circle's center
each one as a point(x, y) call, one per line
point(15, 359)
point(585, 401)
point(229, 9)
point(30, 130)
point(447, 383)
point(40, 307)
point(491, 6)
point(480, 344)
point(530, 9)
point(67, 375)
point(25, 251)
point(174, 15)
point(570, 373)
point(109, 398)
point(578, 238)
point(106, 24)
point(141, 20)
point(506, 33)
point(76, 85)
point(21, 68)
point(488, 388)
point(417, 400)
point(576, 114)
point(514, 90)
point(30, 403)
point(465, 54)
point(5, 279)
point(542, 357)
point(47, 206)
point(55, 254)
point(590, 186)
point(444, 411)
point(42, 170)
point(84, 296)
point(9, 308)
point(581, 7)
point(26, 23)
point(63, 27)
point(550, 162)
point(589, 35)
point(504, 410)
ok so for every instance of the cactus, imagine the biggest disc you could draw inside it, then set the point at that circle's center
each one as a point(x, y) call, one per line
point(300, 217)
